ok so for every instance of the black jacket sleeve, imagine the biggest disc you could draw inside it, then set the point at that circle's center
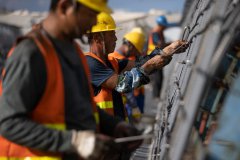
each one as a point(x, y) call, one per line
point(108, 123)
point(24, 84)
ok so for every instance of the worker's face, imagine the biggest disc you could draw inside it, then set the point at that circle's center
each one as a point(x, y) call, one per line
point(79, 20)
point(132, 51)
point(110, 41)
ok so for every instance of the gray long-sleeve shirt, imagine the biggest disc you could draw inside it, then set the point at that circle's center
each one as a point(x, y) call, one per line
point(24, 84)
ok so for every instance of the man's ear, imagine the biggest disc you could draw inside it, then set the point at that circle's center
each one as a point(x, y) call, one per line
point(63, 6)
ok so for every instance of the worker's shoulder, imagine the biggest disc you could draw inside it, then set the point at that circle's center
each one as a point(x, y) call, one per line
point(25, 49)
point(92, 60)
point(95, 64)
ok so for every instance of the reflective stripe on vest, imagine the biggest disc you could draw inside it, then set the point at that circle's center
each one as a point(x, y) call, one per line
point(96, 116)
point(59, 126)
point(105, 104)
point(104, 97)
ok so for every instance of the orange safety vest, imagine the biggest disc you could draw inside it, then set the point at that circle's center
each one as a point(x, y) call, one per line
point(151, 45)
point(104, 99)
point(52, 101)
point(117, 55)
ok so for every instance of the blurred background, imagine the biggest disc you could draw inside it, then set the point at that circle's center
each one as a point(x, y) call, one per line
point(17, 17)
point(198, 112)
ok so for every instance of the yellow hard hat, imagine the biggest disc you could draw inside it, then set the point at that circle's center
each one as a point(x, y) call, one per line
point(105, 22)
point(97, 5)
point(136, 37)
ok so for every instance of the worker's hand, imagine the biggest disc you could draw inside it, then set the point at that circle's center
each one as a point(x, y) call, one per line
point(124, 129)
point(91, 146)
point(175, 47)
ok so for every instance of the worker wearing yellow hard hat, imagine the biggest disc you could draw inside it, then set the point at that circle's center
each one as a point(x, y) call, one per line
point(110, 76)
point(104, 31)
point(132, 47)
point(137, 38)
point(60, 119)
point(102, 40)
point(105, 22)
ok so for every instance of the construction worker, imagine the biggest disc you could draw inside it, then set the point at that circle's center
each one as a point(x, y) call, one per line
point(156, 39)
point(46, 103)
point(109, 76)
point(132, 47)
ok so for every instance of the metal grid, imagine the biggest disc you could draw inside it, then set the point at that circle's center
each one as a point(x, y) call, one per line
point(210, 28)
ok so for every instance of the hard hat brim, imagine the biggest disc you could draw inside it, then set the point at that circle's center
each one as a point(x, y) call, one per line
point(105, 30)
point(95, 7)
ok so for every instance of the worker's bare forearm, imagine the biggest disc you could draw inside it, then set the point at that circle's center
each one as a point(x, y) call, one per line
point(111, 82)
point(157, 62)
point(22, 131)
point(129, 66)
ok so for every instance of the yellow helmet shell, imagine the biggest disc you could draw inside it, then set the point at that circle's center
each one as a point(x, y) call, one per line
point(97, 5)
point(105, 22)
point(136, 37)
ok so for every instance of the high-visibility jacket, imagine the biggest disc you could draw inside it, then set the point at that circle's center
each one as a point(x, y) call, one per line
point(104, 99)
point(151, 45)
point(50, 109)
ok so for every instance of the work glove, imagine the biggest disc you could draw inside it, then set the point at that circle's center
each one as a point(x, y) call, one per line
point(91, 146)
point(124, 129)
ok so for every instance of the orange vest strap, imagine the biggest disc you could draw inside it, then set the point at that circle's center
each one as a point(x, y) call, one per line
point(53, 96)
point(117, 55)
point(54, 83)
point(151, 45)
point(96, 57)
point(104, 98)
